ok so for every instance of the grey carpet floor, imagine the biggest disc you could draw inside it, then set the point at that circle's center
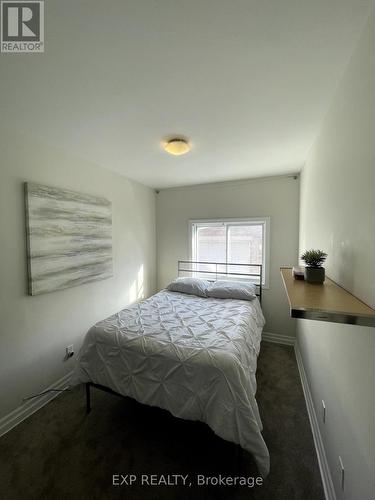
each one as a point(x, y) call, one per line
point(60, 453)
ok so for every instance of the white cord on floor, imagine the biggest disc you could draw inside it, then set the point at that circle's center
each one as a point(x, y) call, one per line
point(45, 392)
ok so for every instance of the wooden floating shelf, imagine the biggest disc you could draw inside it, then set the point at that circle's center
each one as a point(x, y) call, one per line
point(327, 302)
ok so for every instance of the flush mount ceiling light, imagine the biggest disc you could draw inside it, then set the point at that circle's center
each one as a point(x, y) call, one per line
point(177, 146)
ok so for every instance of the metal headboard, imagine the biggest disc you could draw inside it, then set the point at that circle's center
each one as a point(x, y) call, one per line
point(223, 270)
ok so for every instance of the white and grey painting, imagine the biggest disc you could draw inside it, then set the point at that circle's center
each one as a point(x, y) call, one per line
point(69, 238)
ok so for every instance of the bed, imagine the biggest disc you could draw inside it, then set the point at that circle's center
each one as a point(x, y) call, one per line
point(193, 356)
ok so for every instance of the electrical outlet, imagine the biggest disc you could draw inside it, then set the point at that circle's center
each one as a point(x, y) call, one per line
point(342, 472)
point(323, 411)
point(69, 350)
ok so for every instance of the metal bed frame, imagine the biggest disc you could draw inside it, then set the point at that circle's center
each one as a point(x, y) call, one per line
point(238, 452)
point(223, 271)
point(218, 273)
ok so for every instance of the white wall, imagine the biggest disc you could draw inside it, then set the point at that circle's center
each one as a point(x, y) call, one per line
point(276, 197)
point(338, 215)
point(35, 330)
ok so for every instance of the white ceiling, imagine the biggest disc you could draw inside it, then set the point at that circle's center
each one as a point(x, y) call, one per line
point(247, 81)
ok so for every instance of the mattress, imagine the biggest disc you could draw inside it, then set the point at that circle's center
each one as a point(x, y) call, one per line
point(195, 357)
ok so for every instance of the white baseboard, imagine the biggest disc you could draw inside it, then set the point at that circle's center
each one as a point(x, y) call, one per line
point(278, 339)
point(29, 407)
point(325, 472)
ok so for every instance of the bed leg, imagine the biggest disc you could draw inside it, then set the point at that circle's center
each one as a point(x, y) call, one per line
point(88, 398)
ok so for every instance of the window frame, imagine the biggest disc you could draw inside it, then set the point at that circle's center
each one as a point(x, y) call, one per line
point(243, 221)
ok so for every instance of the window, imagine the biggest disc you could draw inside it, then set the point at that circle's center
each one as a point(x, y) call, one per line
point(237, 241)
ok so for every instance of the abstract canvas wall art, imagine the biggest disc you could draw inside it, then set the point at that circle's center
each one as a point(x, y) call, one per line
point(69, 238)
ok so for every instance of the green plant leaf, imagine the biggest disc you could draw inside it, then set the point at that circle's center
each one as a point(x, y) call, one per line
point(314, 258)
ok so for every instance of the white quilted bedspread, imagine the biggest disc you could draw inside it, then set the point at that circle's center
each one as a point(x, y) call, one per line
point(193, 356)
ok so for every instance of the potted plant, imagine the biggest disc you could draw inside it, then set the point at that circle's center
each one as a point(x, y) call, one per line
point(314, 272)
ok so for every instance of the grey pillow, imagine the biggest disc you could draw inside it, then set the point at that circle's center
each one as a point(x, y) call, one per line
point(232, 290)
point(192, 286)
